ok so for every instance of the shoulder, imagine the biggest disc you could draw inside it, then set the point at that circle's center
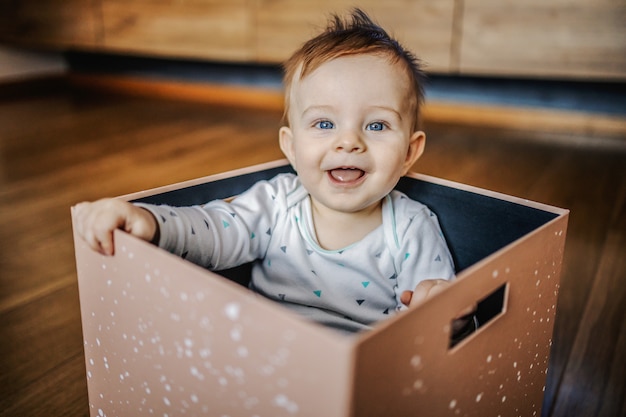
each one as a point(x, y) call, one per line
point(282, 189)
point(281, 184)
point(419, 237)
point(409, 214)
point(286, 182)
point(405, 207)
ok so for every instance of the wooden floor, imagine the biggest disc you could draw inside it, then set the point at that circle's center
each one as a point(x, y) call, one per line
point(59, 146)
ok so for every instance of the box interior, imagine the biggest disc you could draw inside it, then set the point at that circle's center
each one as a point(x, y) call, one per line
point(474, 225)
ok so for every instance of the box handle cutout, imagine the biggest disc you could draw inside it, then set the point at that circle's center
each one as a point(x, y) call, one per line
point(487, 309)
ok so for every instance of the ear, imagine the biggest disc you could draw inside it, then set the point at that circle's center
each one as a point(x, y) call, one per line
point(286, 142)
point(417, 142)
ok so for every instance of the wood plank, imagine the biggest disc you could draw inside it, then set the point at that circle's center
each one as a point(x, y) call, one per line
point(594, 383)
point(614, 400)
point(60, 392)
point(211, 29)
point(592, 199)
point(38, 338)
point(563, 38)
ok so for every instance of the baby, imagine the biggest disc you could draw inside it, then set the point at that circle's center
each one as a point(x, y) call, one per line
point(335, 242)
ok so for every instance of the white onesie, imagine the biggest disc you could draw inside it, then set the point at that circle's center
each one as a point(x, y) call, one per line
point(271, 224)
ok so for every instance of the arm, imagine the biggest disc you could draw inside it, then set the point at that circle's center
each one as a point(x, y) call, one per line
point(222, 234)
point(422, 255)
point(191, 232)
point(217, 235)
point(96, 222)
point(428, 256)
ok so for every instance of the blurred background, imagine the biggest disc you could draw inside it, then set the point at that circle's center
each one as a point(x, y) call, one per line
point(107, 97)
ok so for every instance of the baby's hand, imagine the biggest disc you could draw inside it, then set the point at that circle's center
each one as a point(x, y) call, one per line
point(423, 290)
point(462, 325)
point(95, 223)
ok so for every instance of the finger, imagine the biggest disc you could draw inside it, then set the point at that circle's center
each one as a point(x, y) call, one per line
point(405, 297)
point(420, 293)
point(426, 289)
point(103, 235)
point(92, 241)
point(79, 207)
point(107, 245)
point(82, 218)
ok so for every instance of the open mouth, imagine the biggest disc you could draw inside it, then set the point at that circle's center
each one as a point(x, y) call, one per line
point(346, 175)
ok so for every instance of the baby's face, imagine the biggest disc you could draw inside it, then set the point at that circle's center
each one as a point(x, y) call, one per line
point(351, 131)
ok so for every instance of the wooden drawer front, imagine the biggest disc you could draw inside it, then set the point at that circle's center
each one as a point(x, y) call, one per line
point(424, 26)
point(571, 38)
point(210, 29)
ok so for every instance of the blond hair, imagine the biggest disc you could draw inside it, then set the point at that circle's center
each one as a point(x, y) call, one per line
point(355, 35)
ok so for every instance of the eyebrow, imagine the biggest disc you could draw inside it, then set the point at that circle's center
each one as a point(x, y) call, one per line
point(330, 108)
point(389, 109)
point(323, 108)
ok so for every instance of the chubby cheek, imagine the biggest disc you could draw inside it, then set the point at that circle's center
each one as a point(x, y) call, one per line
point(306, 166)
point(309, 154)
point(392, 160)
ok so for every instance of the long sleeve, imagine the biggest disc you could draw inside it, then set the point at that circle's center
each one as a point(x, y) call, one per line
point(223, 234)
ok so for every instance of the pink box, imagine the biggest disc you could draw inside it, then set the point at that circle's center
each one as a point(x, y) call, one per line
point(164, 337)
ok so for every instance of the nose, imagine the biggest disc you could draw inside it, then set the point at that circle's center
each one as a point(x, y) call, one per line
point(349, 141)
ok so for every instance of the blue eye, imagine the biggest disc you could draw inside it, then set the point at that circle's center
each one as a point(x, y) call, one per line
point(377, 126)
point(325, 124)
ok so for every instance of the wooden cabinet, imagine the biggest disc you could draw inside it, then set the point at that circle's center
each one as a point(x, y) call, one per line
point(424, 26)
point(520, 38)
point(203, 29)
point(49, 23)
point(571, 38)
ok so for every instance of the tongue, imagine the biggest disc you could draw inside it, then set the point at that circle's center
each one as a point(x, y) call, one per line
point(346, 175)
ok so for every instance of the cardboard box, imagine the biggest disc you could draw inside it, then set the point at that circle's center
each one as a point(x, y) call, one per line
point(163, 337)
